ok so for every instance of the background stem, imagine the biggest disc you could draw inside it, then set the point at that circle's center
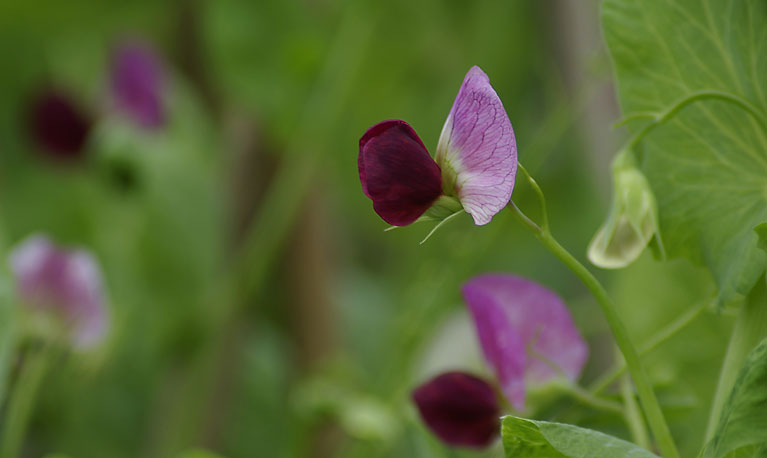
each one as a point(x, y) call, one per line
point(750, 327)
point(22, 400)
point(633, 415)
point(661, 336)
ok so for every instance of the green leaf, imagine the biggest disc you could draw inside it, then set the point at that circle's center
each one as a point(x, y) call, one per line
point(703, 64)
point(524, 438)
point(742, 429)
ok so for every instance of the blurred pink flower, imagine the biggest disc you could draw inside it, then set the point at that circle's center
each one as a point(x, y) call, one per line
point(526, 333)
point(475, 161)
point(64, 284)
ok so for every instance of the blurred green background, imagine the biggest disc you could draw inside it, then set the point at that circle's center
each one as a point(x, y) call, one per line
point(258, 307)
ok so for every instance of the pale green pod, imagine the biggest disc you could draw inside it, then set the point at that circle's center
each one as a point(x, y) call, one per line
point(633, 219)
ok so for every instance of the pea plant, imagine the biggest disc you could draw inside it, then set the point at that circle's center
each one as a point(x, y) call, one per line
point(690, 181)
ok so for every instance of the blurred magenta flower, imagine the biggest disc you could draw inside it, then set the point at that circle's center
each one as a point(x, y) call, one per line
point(58, 125)
point(138, 83)
point(475, 161)
point(65, 285)
point(460, 409)
point(526, 333)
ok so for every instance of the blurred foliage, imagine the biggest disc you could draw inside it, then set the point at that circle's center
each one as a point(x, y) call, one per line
point(305, 78)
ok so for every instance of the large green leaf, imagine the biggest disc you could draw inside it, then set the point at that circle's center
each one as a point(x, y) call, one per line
point(742, 429)
point(707, 164)
point(524, 438)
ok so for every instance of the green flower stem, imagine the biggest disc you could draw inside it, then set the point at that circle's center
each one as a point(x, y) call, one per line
point(644, 388)
point(22, 400)
point(574, 390)
point(584, 397)
point(661, 336)
point(633, 415)
point(750, 327)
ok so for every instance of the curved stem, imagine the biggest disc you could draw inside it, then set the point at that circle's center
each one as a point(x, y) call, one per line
point(22, 401)
point(661, 336)
point(644, 388)
point(541, 197)
point(584, 397)
point(660, 118)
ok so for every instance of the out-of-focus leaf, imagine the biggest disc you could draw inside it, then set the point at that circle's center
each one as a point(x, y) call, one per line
point(524, 438)
point(199, 453)
point(742, 426)
point(707, 163)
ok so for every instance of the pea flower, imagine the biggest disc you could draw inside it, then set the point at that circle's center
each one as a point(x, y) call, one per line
point(137, 82)
point(58, 126)
point(474, 166)
point(525, 331)
point(461, 409)
point(63, 286)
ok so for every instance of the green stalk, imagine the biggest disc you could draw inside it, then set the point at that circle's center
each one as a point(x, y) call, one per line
point(633, 415)
point(574, 390)
point(644, 388)
point(750, 328)
point(22, 401)
point(658, 338)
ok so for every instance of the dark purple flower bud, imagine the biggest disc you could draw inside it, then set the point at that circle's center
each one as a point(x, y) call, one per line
point(526, 332)
point(63, 284)
point(460, 409)
point(58, 126)
point(397, 173)
point(137, 84)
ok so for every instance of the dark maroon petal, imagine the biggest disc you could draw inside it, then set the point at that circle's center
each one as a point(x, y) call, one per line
point(58, 126)
point(137, 84)
point(460, 409)
point(397, 173)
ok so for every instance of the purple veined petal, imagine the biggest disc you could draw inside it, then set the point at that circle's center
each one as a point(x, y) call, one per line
point(65, 284)
point(501, 344)
point(461, 409)
point(540, 319)
point(138, 84)
point(477, 150)
point(397, 173)
point(58, 125)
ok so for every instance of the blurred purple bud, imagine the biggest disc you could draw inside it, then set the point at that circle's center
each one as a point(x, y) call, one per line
point(460, 409)
point(58, 126)
point(526, 332)
point(138, 84)
point(65, 284)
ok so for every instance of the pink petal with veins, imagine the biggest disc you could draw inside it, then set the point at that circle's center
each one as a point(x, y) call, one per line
point(477, 148)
